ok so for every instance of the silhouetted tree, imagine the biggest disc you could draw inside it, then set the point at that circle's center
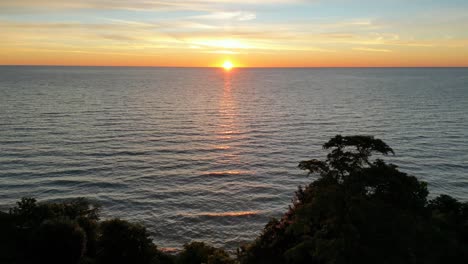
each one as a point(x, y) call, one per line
point(362, 211)
point(47, 232)
point(124, 242)
point(57, 242)
point(10, 240)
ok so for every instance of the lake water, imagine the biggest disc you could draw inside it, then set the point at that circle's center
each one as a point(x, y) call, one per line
point(203, 154)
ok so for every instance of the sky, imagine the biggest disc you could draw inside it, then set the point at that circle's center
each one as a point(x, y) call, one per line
point(260, 33)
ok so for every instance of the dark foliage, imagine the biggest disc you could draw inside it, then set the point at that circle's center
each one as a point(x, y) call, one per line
point(123, 242)
point(199, 252)
point(70, 233)
point(57, 242)
point(363, 211)
point(48, 233)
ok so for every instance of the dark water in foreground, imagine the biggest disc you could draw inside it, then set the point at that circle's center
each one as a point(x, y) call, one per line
point(209, 155)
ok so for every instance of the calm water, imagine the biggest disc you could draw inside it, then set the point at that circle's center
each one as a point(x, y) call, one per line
point(200, 154)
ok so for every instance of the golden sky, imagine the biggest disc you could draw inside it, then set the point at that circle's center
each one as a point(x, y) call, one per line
point(274, 33)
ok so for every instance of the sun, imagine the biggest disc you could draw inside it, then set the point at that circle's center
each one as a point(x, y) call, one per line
point(227, 65)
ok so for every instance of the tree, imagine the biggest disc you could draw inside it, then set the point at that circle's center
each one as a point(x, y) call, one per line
point(57, 242)
point(42, 231)
point(362, 210)
point(124, 242)
point(347, 155)
point(10, 238)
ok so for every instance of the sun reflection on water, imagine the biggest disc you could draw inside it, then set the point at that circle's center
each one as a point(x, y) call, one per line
point(223, 214)
point(227, 128)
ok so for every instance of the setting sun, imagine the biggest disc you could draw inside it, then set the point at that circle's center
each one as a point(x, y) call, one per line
point(227, 65)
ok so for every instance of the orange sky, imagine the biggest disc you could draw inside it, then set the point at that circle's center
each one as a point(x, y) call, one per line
point(275, 33)
point(415, 58)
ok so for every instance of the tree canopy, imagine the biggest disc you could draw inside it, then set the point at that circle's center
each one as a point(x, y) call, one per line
point(71, 232)
point(363, 210)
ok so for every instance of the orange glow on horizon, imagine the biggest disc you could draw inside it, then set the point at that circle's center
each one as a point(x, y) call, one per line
point(421, 57)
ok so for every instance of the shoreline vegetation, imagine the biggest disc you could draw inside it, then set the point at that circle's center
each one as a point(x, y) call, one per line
point(360, 210)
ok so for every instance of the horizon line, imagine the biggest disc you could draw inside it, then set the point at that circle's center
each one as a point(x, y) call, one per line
point(237, 67)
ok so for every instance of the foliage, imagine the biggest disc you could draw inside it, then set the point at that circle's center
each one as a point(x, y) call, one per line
point(59, 232)
point(70, 233)
point(57, 242)
point(124, 242)
point(199, 252)
point(363, 211)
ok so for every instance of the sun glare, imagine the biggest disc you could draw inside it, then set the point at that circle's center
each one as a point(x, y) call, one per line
point(227, 65)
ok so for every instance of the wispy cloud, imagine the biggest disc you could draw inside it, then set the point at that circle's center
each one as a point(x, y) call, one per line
point(163, 5)
point(371, 49)
point(238, 15)
point(226, 52)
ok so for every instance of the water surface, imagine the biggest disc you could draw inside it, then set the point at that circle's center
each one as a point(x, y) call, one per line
point(203, 154)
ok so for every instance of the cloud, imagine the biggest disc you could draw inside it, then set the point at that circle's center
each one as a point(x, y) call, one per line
point(239, 16)
point(371, 49)
point(163, 5)
point(118, 37)
point(55, 26)
point(226, 52)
